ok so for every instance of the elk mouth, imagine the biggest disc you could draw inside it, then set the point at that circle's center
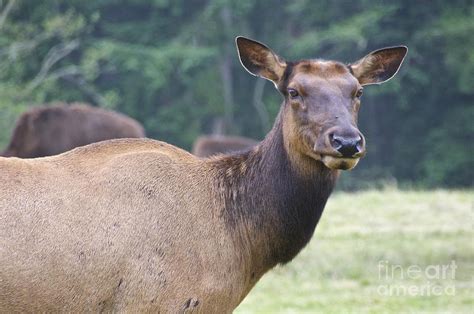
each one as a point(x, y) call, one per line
point(336, 161)
point(339, 163)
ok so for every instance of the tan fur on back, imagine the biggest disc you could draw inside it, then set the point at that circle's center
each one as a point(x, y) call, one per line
point(46, 253)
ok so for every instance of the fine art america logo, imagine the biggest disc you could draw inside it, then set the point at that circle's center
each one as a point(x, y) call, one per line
point(414, 280)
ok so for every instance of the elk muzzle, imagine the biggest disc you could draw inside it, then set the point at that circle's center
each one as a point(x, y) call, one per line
point(341, 148)
point(348, 146)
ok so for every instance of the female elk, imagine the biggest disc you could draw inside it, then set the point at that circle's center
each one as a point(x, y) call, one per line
point(140, 225)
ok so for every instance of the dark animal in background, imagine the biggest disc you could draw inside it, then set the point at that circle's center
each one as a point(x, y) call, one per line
point(208, 145)
point(51, 130)
point(138, 225)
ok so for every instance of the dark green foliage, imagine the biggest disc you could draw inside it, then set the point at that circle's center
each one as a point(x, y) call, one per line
point(173, 66)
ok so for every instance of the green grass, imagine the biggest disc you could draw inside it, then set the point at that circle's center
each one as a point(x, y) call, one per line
point(339, 270)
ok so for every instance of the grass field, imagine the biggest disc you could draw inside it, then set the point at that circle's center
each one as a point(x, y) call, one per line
point(379, 252)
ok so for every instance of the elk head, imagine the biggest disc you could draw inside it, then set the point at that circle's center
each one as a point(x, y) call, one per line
point(322, 98)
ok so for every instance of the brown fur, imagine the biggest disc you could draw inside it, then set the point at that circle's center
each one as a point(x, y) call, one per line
point(138, 225)
point(209, 145)
point(51, 130)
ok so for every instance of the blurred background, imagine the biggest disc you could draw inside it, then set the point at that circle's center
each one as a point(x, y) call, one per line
point(173, 66)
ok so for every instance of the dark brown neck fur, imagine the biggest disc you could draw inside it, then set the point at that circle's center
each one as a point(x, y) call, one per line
point(270, 204)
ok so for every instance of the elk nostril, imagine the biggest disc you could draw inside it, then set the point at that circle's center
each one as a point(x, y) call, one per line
point(359, 144)
point(336, 142)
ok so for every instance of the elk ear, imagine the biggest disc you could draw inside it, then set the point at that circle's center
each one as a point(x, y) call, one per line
point(259, 60)
point(379, 66)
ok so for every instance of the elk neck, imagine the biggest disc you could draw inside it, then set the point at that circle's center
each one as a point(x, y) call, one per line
point(272, 199)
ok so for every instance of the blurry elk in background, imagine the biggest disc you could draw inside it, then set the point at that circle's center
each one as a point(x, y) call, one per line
point(50, 130)
point(208, 145)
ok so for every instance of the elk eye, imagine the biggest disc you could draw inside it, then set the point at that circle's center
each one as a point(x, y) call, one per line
point(293, 92)
point(359, 93)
